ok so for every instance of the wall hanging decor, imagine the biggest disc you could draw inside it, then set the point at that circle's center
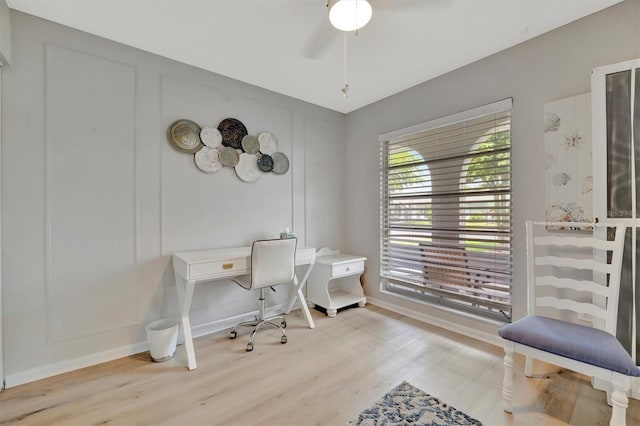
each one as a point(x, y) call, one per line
point(568, 162)
point(185, 134)
point(211, 137)
point(232, 131)
point(229, 145)
point(208, 159)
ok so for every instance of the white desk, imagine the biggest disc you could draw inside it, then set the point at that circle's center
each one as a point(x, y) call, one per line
point(205, 265)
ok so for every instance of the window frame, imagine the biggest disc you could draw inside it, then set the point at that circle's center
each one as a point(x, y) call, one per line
point(422, 292)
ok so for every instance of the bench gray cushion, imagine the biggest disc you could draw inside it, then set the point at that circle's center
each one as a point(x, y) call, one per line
point(575, 341)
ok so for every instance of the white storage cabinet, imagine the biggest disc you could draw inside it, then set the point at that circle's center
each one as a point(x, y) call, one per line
point(334, 281)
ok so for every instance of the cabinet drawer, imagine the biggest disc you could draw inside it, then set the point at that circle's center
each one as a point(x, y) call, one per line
point(347, 268)
point(232, 266)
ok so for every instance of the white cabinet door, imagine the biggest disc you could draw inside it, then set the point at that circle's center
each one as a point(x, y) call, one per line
point(615, 96)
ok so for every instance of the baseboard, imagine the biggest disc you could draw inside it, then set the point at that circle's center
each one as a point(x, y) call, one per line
point(225, 324)
point(490, 338)
point(49, 370)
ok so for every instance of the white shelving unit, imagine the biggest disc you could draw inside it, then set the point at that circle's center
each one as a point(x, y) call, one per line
point(334, 281)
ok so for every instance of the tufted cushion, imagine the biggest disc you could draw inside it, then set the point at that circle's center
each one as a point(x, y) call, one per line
point(575, 341)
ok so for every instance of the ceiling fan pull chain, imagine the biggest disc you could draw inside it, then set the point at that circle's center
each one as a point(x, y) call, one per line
point(345, 89)
point(357, 18)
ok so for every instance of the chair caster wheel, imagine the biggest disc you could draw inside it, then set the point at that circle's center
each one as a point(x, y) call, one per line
point(233, 334)
point(284, 323)
point(283, 339)
point(249, 347)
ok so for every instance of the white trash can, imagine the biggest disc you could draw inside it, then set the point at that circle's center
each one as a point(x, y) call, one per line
point(162, 336)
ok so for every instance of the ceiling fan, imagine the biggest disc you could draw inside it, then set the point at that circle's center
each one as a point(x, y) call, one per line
point(347, 16)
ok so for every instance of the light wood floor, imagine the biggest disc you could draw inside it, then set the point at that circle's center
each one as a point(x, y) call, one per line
point(323, 376)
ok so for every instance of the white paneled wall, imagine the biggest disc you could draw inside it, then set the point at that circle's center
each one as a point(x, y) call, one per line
point(95, 198)
point(90, 211)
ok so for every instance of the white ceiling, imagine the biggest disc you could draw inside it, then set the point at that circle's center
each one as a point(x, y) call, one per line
point(289, 47)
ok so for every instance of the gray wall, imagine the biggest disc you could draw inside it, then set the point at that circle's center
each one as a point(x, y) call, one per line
point(95, 198)
point(552, 66)
point(5, 33)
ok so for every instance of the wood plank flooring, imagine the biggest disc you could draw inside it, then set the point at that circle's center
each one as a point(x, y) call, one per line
point(323, 376)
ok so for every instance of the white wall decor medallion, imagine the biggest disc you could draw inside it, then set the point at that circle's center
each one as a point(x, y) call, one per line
point(229, 145)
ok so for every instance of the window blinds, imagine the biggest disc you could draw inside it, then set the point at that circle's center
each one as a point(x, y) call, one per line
point(446, 212)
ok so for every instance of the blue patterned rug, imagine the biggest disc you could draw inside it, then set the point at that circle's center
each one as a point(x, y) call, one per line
point(408, 405)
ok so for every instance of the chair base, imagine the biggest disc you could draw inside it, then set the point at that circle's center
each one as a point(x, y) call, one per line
point(620, 383)
point(260, 322)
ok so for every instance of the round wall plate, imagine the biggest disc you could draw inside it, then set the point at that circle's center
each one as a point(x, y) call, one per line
point(208, 159)
point(232, 131)
point(185, 134)
point(265, 163)
point(211, 136)
point(247, 168)
point(229, 156)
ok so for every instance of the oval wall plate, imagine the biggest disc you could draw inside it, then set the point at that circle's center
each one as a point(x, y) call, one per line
point(280, 163)
point(250, 144)
point(268, 143)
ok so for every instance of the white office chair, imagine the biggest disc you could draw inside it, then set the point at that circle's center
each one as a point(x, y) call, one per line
point(272, 263)
point(569, 268)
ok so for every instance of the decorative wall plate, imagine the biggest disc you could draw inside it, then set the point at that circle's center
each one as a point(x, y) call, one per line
point(229, 156)
point(208, 159)
point(210, 136)
point(232, 131)
point(265, 163)
point(268, 143)
point(247, 168)
point(250, 144)
point(280, 163)
point(185, 134)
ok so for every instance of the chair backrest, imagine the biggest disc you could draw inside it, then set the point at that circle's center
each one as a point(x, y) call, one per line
point(272, 262)
point(580, 269)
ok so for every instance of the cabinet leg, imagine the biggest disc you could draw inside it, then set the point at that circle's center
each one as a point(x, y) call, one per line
point(311, 304)
point(362, 303)
point(331, 313)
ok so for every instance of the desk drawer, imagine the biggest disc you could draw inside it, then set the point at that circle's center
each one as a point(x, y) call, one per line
point(231, 267)
point(348, 268)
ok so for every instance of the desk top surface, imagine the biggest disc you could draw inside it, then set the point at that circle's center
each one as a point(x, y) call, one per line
point(303, 255)
point(338, 258)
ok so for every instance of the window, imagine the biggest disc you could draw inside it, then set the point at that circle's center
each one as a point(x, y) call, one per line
point(446, 211)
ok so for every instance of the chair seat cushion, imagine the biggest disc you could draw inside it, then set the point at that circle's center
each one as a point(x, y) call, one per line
point(575, 341)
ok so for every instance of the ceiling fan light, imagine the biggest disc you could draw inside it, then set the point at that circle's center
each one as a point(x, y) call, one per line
point(350, 15)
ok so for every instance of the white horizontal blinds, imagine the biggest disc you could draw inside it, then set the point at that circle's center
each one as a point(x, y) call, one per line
point(446, 214)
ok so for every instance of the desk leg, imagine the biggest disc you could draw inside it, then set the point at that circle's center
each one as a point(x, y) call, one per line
point(185, 295)
point(298, 285)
